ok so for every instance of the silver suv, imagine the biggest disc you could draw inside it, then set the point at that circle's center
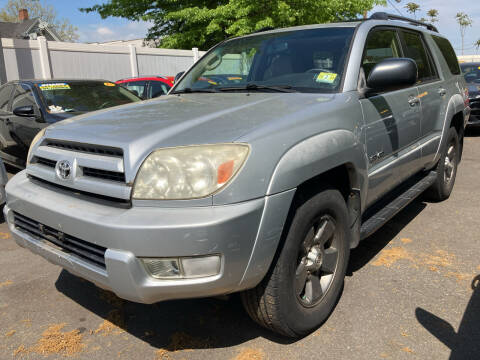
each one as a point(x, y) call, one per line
point(271, 158)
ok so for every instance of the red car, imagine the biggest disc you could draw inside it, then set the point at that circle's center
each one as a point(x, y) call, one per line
point(147, 87)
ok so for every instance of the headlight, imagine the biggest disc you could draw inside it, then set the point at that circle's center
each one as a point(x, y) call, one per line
point(34, 141)
point(188, 172)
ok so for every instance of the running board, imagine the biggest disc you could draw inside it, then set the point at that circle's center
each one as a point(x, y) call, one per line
point(403, 197)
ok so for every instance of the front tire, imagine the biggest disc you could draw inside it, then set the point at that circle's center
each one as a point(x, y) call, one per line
point(446, 169)
point(306, 281)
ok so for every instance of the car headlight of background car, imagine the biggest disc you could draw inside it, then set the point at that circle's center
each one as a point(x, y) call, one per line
point(34, 142)
point(188, 172)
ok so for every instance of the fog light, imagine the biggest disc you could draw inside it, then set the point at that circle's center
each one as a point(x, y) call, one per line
point(201, 266)
point(184, 268)
point(162, 268)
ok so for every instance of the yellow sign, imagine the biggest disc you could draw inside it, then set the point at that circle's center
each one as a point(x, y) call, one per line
point(325, 77)
point(55, 86)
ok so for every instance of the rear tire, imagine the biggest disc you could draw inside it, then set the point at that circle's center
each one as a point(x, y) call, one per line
point(305, 283)
point(446, 169)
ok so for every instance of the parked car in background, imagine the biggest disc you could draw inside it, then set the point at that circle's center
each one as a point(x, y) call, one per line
point(148, 87)
point(3, 182)
point(471, 72)
point(261, 187)
point(28, 106)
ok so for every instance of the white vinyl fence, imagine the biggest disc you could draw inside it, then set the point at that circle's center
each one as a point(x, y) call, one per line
point(41, 59)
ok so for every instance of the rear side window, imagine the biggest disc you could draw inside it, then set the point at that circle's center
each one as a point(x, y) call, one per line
point(5, 92)
point(157, 88)
point(137, 87)
point(381, 45)
point(448, 54)
point(415, 49)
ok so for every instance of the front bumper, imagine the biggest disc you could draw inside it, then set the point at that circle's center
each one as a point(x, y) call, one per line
point(244, 234)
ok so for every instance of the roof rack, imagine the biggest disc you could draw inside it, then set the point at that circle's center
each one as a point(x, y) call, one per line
point(387, 16)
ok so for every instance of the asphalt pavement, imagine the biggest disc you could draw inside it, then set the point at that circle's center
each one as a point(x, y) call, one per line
point(410, 293)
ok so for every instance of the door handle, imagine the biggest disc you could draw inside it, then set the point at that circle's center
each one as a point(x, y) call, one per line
point(7, 122)
point(413, 101)
point(442, 92)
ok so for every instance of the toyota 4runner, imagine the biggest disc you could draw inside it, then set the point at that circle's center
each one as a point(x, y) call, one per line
point(272, 157)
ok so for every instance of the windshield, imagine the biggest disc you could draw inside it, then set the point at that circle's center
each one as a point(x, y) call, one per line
point(304, 60)
point(83, 96)
point(471, 72)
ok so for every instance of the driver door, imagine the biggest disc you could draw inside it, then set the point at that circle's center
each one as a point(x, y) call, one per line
point(392, 121)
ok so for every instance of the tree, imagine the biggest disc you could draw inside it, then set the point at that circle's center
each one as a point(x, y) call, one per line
point(184, 24)
point(464, 21)
point(412, 8)
point(477, 45)
point(433, 15)
point(47, 13)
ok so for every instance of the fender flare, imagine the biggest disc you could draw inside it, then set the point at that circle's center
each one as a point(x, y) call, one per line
point(316, 155)
point(454, 106)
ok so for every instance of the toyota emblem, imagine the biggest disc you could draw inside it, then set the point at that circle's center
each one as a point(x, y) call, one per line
point(63, 169)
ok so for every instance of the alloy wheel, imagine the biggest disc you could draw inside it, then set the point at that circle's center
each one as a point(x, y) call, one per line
point(317, 262)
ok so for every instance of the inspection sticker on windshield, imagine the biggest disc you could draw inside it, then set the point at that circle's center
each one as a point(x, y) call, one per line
point(325, 77)
point(54, 86)
point(108, 84)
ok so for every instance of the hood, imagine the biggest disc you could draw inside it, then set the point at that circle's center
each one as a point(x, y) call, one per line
point(54, 117)
point(189, 119)
point(184, 120)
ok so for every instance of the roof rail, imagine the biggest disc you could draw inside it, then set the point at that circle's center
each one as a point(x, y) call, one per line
point(387, 16)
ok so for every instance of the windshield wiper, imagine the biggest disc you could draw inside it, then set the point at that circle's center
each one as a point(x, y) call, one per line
point(190, 90)
point(254, 87)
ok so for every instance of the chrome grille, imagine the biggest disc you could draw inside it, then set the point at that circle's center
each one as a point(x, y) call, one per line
point(46, 162)
point(85, 148)
point(103, 174)
point(87, 171)
point(95, 170)
point(92, 253)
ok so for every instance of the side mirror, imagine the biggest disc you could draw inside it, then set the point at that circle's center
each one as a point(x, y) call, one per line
point(392, 74)
point(178, 76)
point(24, 111)
point(28, 111)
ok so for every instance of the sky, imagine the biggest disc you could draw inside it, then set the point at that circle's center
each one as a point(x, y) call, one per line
point(92, 28)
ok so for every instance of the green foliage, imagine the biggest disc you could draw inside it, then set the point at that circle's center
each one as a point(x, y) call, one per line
point(433, 15)
point(47, 13)
point(412, 8)
point(184, 24)
point(464, 21)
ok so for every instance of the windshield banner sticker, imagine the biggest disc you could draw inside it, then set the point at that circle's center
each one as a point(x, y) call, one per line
point(56, 86)
point(325, 77)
